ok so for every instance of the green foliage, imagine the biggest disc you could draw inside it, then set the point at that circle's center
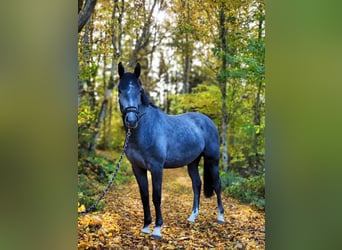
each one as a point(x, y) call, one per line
point(86, 126)
point(186, 34)
point(94, 174)
point(115, 134)
point(204, 99)
point(249, 190)
point(243, 148)
point(87, 71)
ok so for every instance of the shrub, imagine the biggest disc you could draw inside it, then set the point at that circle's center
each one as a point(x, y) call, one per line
point(249, 190)
point(94, 174)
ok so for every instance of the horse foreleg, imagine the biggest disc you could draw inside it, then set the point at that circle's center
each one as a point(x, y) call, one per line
point(157, 176)
point(196, 187)
point(141, 177)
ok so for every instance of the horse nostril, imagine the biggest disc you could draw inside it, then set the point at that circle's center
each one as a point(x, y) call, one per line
point(126, 119)
point(131, 120)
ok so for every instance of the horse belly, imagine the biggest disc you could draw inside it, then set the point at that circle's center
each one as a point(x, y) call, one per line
point(181, 155)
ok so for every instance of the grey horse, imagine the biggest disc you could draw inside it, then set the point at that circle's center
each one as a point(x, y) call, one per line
point(161, 141)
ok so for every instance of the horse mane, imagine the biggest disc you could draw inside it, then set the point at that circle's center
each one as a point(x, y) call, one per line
point(145, 100)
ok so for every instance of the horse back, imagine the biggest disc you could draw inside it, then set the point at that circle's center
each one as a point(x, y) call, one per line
point(190, 135)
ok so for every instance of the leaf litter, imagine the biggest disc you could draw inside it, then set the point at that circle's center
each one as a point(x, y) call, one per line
point(118, 225)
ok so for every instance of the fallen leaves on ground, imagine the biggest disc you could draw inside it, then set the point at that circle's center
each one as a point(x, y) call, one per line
point(118, 225)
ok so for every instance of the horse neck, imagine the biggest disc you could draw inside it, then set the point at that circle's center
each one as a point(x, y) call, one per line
point(149, 117)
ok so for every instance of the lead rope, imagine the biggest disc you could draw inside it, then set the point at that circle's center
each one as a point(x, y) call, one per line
point(113, 177)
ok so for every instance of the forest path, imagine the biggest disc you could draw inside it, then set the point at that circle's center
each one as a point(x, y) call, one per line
point(118, 225)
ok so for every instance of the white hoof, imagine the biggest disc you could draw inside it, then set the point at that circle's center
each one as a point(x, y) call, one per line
point(193, 216)
point(146, 230)
point(156, 234)
point(220, 218)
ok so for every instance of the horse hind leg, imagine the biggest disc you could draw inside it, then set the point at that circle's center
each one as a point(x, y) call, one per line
point(211, 168)
point(196, 187)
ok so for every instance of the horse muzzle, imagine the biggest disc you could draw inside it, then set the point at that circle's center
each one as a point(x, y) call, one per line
point(131, 117)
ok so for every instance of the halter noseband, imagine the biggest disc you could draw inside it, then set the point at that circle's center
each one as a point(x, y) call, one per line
point(131, 109)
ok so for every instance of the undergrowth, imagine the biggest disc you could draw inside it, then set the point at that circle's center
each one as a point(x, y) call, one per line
point(94, 174)
point(249, 190)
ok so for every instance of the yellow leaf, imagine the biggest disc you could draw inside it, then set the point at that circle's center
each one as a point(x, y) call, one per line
point(80, 208)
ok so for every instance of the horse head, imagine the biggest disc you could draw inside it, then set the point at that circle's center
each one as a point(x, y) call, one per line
point(131, 95)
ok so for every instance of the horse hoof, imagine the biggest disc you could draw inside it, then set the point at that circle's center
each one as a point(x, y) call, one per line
point(145, 230)
point(192, 219)
point(220, 219)
point(193, 216)
point(156, 234)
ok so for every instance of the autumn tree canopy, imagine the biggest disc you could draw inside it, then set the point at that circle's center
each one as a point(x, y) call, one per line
point(205, 56)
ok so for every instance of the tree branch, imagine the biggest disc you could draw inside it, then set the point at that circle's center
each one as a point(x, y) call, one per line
point(85, 14)
point(80, 5)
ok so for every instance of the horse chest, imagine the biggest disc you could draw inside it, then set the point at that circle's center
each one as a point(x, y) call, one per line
point(144, 156)
point(135, 158)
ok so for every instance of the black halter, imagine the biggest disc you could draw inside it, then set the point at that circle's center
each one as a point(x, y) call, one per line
point(131, 109)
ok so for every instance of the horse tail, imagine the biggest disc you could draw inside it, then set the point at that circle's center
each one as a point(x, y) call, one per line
point(208, 181)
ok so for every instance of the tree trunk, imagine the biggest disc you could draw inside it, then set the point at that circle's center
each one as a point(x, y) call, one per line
point(85, 58)
point(257, 111)
point(86, 13)
point(104, 86)
point(91, 80)
point(103, 110)
point(108, 94)
point(80, 5)
point(144, 40)
point(187, 54)
point(256, 121)
point(117, 47)
point(223, 86)
point(187, 68)
point(109, 126)
point(224, 132)
point(101, 117)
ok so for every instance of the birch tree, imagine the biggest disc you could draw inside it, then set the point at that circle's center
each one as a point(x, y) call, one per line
point(116, 36)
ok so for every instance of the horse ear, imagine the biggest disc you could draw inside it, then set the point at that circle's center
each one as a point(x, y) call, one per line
point(137, 70)
point(121, 69)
